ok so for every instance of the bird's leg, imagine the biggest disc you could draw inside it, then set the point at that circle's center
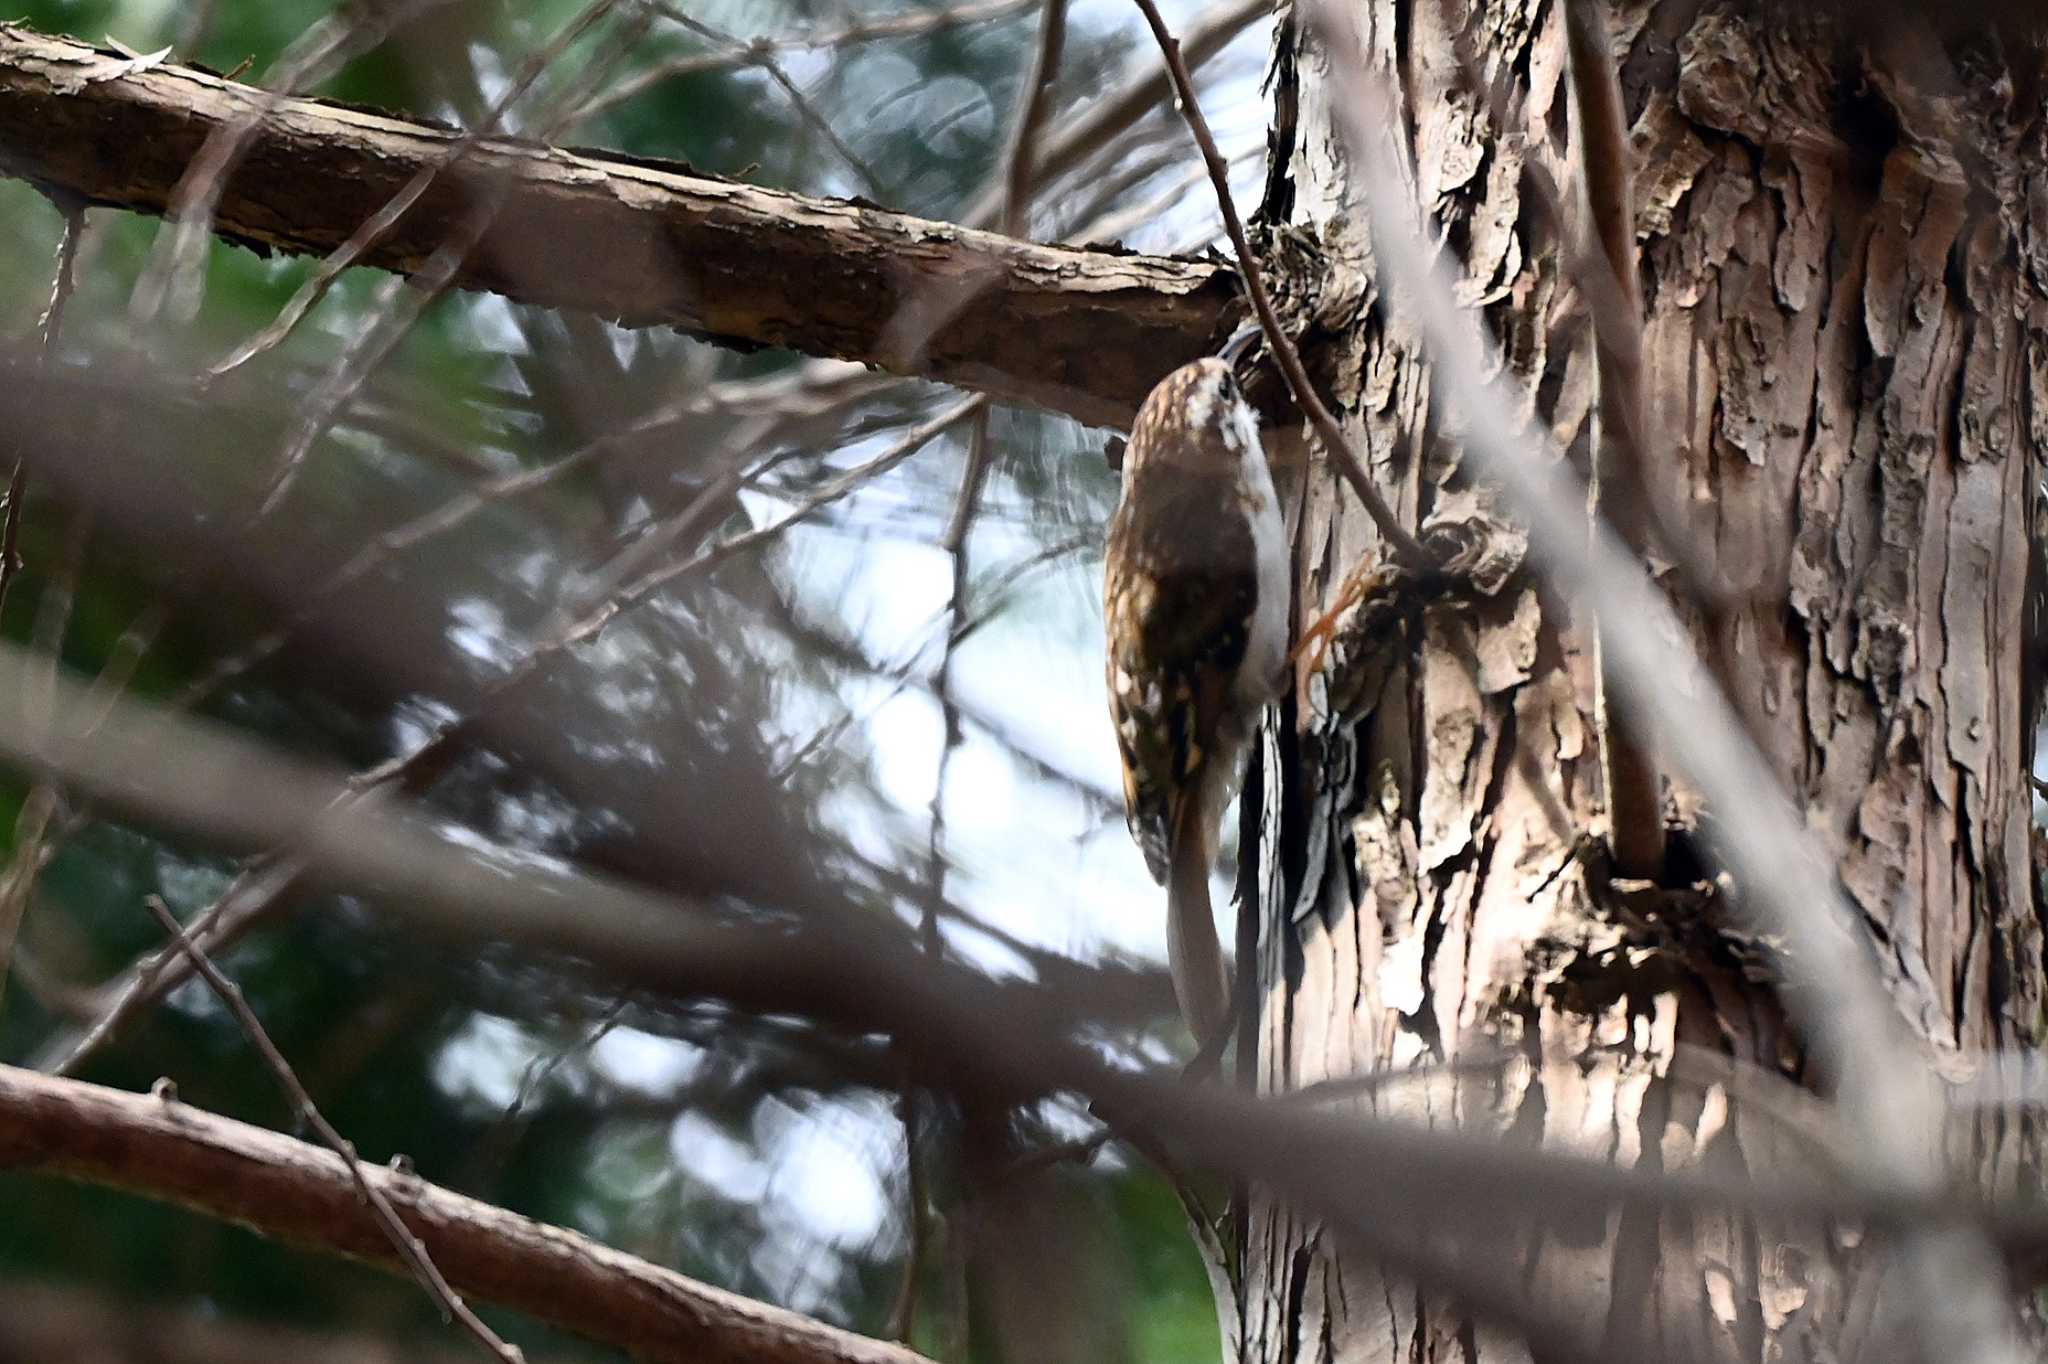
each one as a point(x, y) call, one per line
point(1325, 626)
point(1364, 583)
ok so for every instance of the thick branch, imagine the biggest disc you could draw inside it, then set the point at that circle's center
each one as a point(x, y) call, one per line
point(1081, 331)
point(300, 1193)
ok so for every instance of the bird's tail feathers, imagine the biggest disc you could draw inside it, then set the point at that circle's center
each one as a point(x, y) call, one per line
point(1194, 958)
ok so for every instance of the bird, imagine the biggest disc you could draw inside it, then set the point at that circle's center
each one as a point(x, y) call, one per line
point(1195, 610)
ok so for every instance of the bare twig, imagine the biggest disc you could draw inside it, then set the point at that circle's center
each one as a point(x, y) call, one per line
point(264, 884)
point(1032, 107)
point(905, 672)
point(751, 51)
point(258, 887)
point(488, 1156)
point(409, 1247)
point(175, 270)
point(32, 831)
point(1299, 385)
point(42, 807)
point(423, 756)
point(1634, 785)
point(655, 544)
point(396, 309)
point(1018, 1040)
point(10, 528)
point(46, 822)
point(1145, 84)
point(1016, 181)
point(916, 1217)
point(49, 328)
point(633, 593)
point(379, 225)
point(822, 126)
point(751, 54)
point(778, 411)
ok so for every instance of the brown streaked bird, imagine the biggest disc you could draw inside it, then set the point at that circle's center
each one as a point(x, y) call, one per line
point(1195, 592)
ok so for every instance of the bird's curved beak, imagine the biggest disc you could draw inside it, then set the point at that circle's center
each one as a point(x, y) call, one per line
point(1240, 341)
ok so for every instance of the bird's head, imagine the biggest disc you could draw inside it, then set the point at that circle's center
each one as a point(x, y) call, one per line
point(1194, 421)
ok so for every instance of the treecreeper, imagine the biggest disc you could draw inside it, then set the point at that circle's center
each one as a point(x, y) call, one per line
point(1195, 599)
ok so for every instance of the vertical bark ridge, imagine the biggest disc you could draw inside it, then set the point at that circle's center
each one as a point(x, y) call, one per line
point(1845, 270)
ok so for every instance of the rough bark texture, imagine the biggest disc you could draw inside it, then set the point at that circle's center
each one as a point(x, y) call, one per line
point(1845, 267)
point(1083, 331)
point(295, 1192)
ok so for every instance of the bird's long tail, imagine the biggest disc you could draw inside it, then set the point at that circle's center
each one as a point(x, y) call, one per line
point(1193, 956)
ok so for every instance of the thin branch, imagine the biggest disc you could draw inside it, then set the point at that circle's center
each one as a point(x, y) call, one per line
point(262, 886)
point(48, 329)
point(42, 807)
point(1621, 473)
point(32, 831)
point(424, 756)
point(10, 528)
point(764, 58)
point(657, 544)
point(1299, 385)
point(1145, 84)
point(779, 413)
point(905, 672)
point(393, 314)
point(639, 590)
point(751, 51)
point(917, 1221)
point(410, 1248)
point(487, 1158)
point(1031, 111)
point(177, 263)
point(1016, 181)
point(257, 888)
point(380, 224)
point(1011, 1039)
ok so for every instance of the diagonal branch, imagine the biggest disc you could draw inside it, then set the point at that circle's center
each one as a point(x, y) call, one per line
point(297, 1192)
point(1335, 445)
point(411, 1252)
point(1621, 474)
point(996, 1038)
point(1081, 331)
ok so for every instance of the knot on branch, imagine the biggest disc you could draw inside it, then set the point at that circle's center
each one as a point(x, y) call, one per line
point(1472, 555)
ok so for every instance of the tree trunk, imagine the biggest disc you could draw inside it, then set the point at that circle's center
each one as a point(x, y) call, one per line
point(1844, 271)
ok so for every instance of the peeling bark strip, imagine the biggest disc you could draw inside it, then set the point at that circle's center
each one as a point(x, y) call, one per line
point(1844, 257)
point(1081, 331)
point(295, 1192)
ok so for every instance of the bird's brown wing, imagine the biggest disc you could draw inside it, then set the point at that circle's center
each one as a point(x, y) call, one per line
point(1177, 616)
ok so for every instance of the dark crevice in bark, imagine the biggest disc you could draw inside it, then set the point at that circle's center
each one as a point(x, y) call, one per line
point(1251, 910)
point(1276, 203)
point(1297, 1291)
point(1651, 63)
point(1468, 1341)
point(1868, 126)
point(1632, 1304)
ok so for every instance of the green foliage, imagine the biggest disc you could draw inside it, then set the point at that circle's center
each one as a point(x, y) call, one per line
point(480, 1065)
